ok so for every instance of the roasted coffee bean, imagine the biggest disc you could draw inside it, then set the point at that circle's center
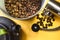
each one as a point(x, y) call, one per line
point(51, 24)
point(45, 26)
point(48, 19)
point(42, 14)
point(38, 16)
point(41, 19)
point(44, 18)
point(53, 19)
point(24, 8)
point(38, 22)
point(41, 23)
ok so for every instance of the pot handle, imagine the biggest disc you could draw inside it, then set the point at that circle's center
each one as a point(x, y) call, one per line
point(54, 6)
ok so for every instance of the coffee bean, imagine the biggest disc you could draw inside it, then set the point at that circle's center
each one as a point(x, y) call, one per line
point(53, 19)
point(38, 16)
point(41, 23)
point(42, 14)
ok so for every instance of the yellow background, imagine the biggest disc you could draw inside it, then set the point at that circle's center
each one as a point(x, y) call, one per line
point(28, 34)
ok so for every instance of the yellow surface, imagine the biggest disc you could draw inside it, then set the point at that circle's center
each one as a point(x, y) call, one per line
point(28, 34)
point(58, 0)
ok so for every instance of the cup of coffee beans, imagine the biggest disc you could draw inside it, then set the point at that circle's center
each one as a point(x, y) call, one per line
point(23, 9)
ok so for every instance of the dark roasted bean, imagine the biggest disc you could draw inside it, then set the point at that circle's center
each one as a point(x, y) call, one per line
point(38, 16)
point(41, 19)
point(45, 26)
point(53, 19)
point(41, 23)
point(42, 14)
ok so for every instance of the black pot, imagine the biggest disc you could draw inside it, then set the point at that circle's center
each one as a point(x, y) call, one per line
point(11, 28)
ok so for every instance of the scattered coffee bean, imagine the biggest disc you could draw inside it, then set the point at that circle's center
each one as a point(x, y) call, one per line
point(38, 22)
point(42, 14)
point(44, 18)
point(45, 26)
point(51, 24)
point(38, 16)
point(41, 23)
point(53, 19)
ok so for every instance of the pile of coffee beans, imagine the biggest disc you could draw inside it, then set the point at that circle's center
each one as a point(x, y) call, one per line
point(22, 8)
point(48, 17)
